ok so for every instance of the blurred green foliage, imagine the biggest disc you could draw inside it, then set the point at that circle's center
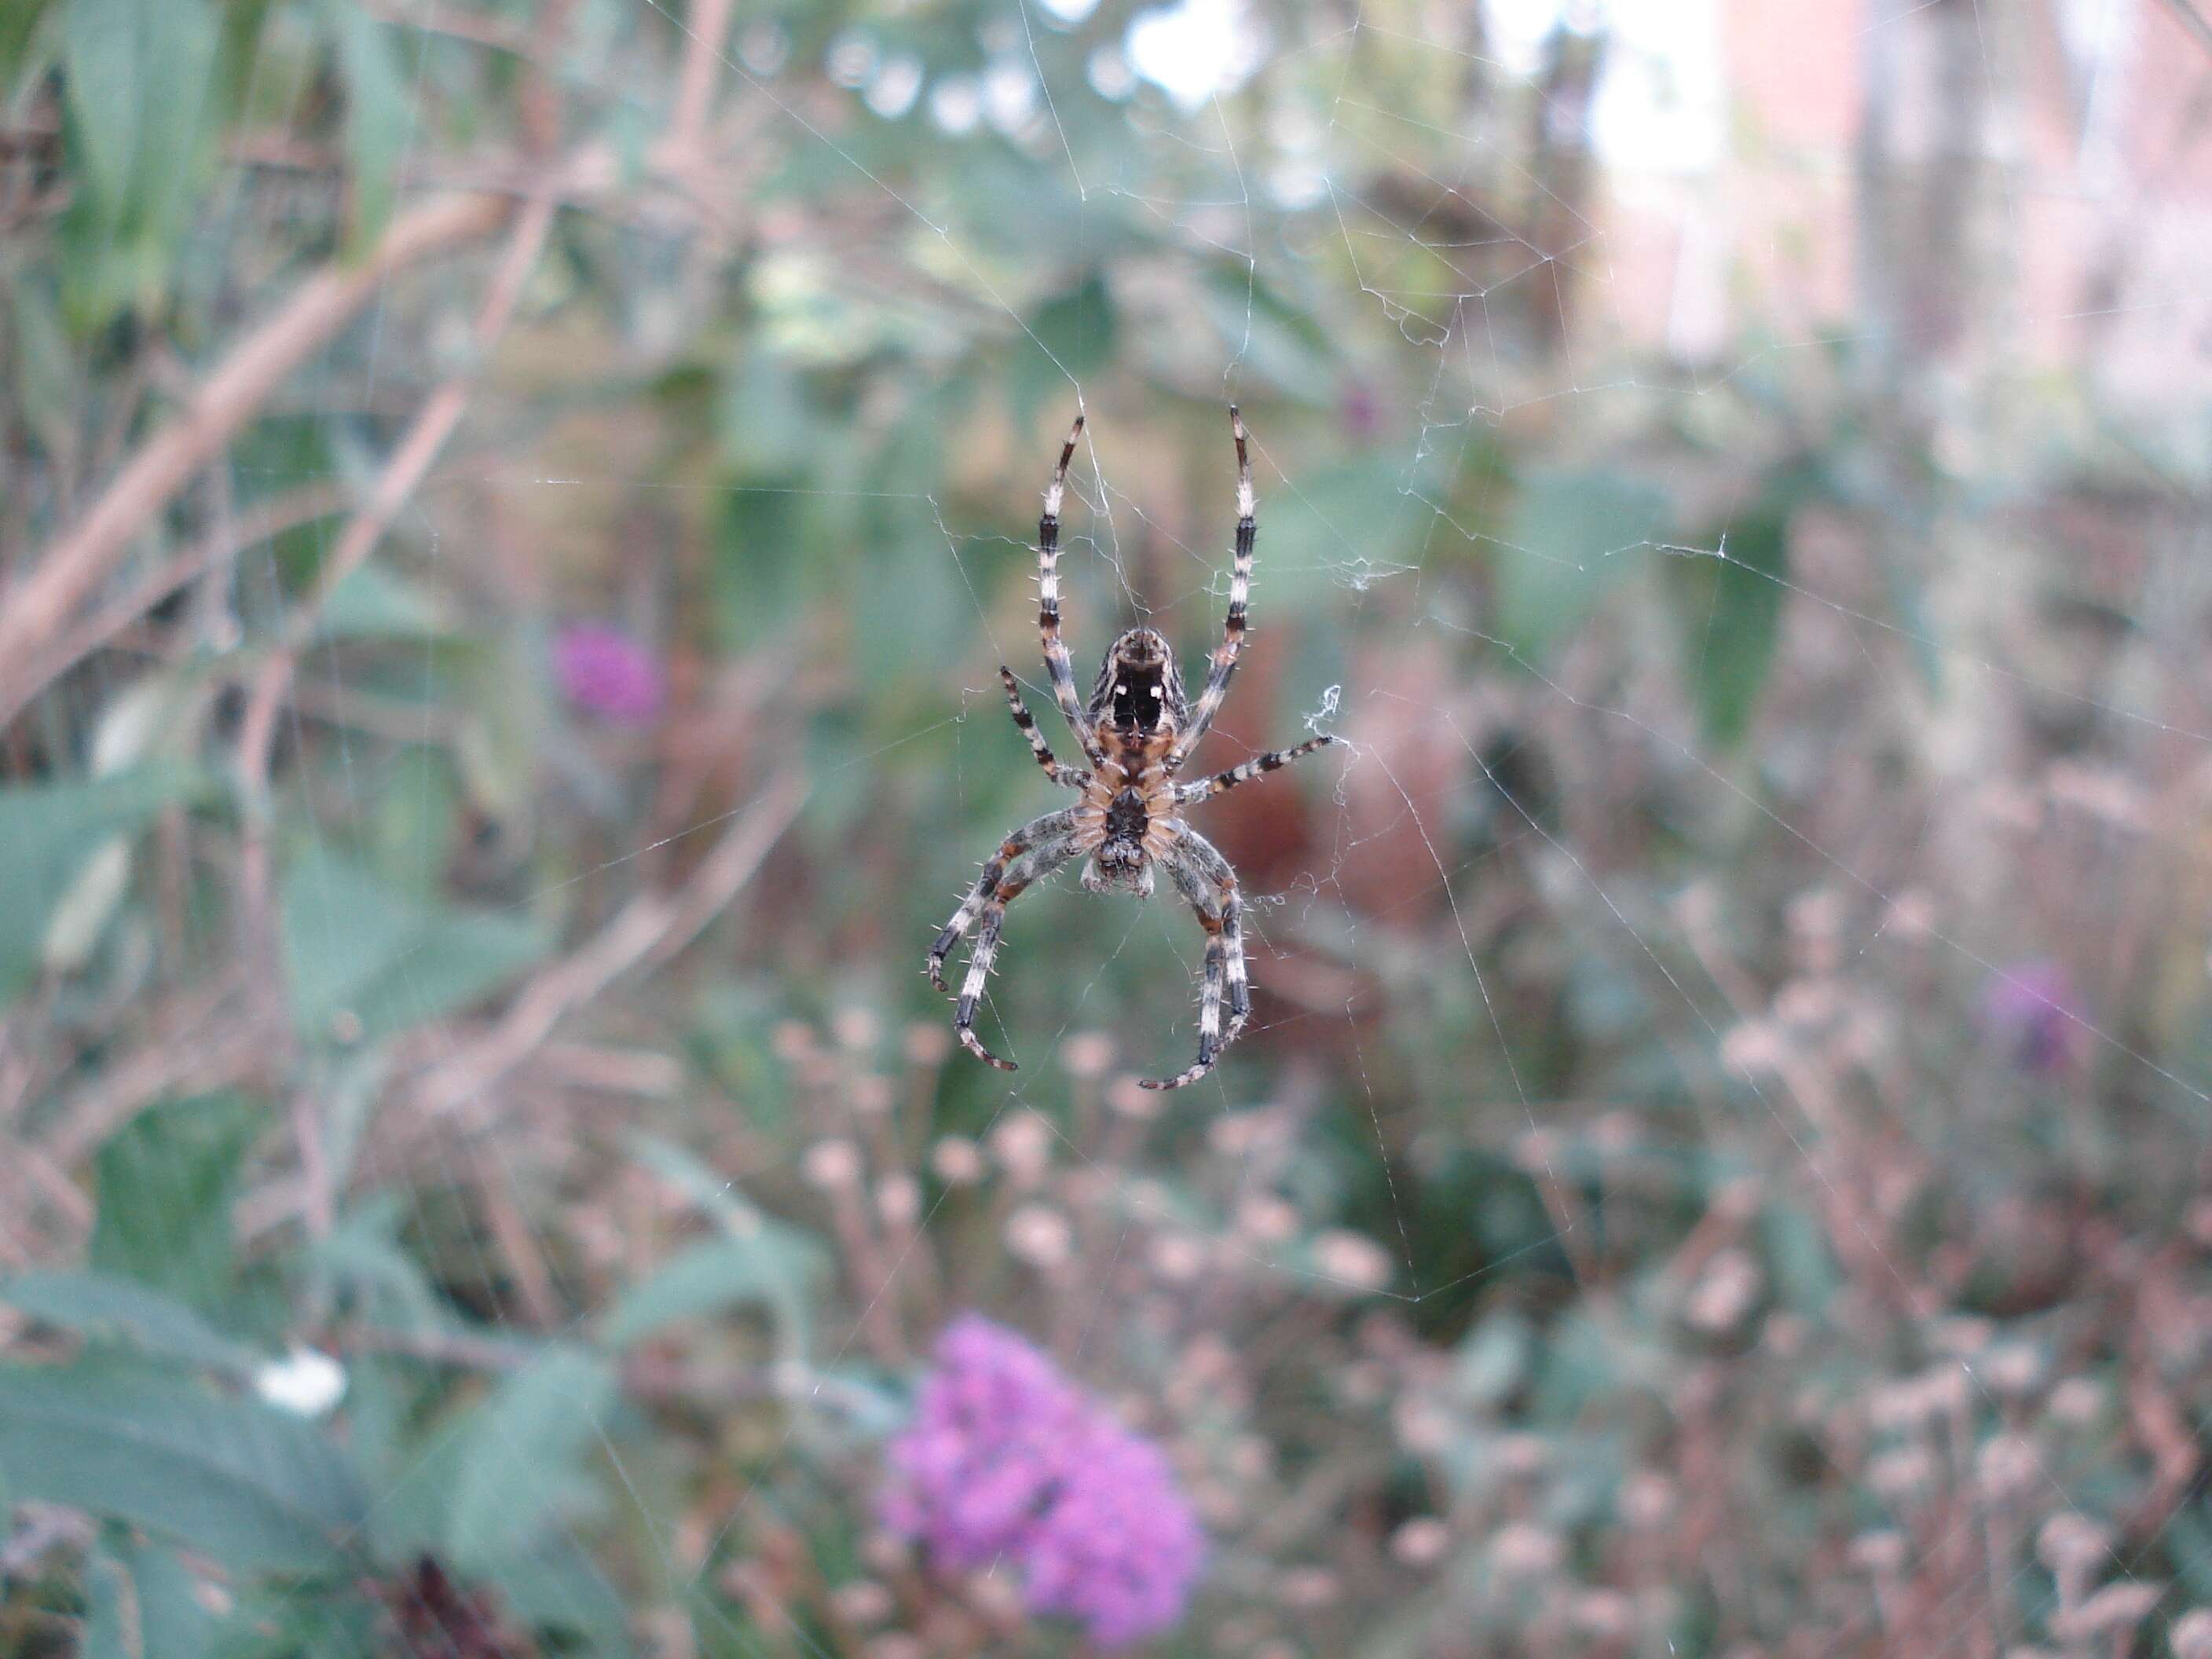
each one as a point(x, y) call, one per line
point(1635, 1147)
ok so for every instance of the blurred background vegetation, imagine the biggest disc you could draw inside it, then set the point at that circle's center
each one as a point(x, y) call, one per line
point(511, 513)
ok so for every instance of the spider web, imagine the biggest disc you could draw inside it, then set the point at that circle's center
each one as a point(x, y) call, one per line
point(1499, 311)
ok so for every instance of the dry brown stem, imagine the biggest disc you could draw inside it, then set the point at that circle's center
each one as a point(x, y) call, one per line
point(256, 523)
point(67, 571)
point(651, 924)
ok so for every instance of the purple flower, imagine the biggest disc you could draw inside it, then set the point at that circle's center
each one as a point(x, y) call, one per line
point(2032, 1008)
point(1359, 412)
point(605, 672)
point(1006, 1459)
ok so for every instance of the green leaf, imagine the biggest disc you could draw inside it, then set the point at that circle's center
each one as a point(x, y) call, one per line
point(235, 1480)
point(377, 120)
point(1565, 545)
point(18, 22)
point(1270, 336)
point(104, 76)
point(98, 1304)
point(166, 1181)
point(1731, 610)
point(1079, 327)
point(139, 79)
point(771, 1269)
point(1073, 333)
point(520, 1456)
point(51, 832)
point(168, 1621)
point(108, 1621)
point(763, 421)
point(1806, 1276)
point(373, 603)
point(46, 388)
point(355, 946)
point(558, 1587)
point(713, 1194)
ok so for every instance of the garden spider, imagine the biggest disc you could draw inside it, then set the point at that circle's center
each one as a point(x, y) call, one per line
point(1137, 731)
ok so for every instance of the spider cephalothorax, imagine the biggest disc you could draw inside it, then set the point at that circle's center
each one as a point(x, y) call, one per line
point(1137, 731)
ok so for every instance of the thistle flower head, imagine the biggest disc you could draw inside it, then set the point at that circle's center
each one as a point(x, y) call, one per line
point(1008, 1460)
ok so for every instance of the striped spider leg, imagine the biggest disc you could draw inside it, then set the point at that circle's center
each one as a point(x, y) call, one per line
point(1138, 730)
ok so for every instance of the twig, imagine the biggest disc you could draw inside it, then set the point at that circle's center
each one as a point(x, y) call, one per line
point(434, 423)
point(651, 926)
point(172, 1061)
point(708, 27)
point(257, 524)
point(70, 568)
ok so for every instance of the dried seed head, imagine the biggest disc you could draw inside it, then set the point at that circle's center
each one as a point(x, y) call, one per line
point(1604, 1615)
point(1523, 1456)
point(957, 1161)
point(855, 1029)
point(1422, 1542)
point(862, 1602)
point(1903, 1474)
point(2077, 1401)
point(2071, 1542)
point(898, 1199)
point(2008, 1467)
point(1039, 1235)
point(831, 1165)
point(1647, 1499)
point(1087, 1055)
point(1352, 1258)
point(2014, 1370)
point(927, 1044)
point(1022, 1145)
point(1725, 1293)
point(1880, 1552)
point(1177, 1257)
point(1267, 1219)
point(2115, 1608)
point(1307, 1587)
point(1523, 1551)
point(1131, 1099)
point(2191, 1635)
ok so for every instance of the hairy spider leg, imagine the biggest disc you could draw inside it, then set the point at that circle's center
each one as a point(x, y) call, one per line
point(1032, 865)
point(1223, 660)
point(1205, 879)
point(1273, 760)
point(1055, 649)
point(1071, 777)
point(1048, 830)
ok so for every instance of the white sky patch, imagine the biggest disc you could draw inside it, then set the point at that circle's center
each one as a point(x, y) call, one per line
point(956, 104)
point(1010, 95)
point(896, 87)
point(1517, 30)
point(852, 59)
point(1069, 11)
point(763, 47)
point(1662, 102)
point(1196, 49)
point(1111, 77)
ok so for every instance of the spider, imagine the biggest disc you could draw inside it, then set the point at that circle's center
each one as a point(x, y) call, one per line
point(1137, 730)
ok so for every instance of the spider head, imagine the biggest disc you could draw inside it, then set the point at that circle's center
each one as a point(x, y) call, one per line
point(1140, 691)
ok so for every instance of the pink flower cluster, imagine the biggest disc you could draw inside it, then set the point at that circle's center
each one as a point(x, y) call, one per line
point(604, 671)
point(1008, 1461)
